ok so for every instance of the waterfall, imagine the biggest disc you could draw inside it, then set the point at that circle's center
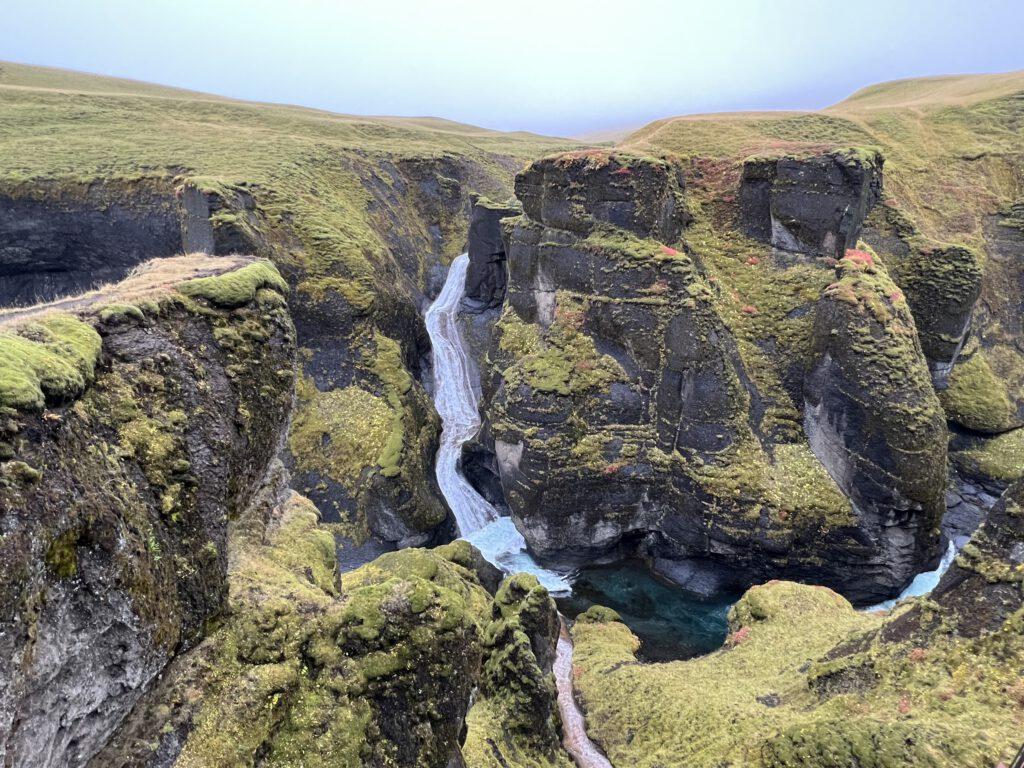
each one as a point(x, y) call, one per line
point(455, 399)
point(922, 584)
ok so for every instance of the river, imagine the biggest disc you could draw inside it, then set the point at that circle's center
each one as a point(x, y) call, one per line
point(479, 522)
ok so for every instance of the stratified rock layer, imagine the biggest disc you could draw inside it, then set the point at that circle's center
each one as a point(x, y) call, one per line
point(627, 416)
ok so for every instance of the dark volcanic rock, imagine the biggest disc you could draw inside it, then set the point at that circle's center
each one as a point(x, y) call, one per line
point(574, 191)
point(115, 511)
point(812, 205)
point(627, 419)
point(486, 275)
point(872, 417)
point(63, 239)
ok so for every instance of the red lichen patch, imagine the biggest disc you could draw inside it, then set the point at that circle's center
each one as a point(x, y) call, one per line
point(739, 636)
point(669, 251)
point(749, 309)
point(904, 705)
point(622, 172)
point(658, 287)
point(860, 257)
point(613, 468)
point(585, 365)
point(753, 261)
point(896, 296)
point(917, 655)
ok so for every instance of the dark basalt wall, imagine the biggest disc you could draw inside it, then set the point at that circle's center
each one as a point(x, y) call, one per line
point(813, 205)
point(627, 417)
point(115, 513)
point(486, 276)
point(61, 239)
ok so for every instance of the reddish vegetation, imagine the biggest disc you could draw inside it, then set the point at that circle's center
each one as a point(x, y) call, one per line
point(896, 296)
point(585, 365)
point(670, 251)
point(904, 705)
point(613, 468)
point(749, 309)
point(739, 635)
point(659, 287)
point(918, 655)
point(753, 261)
point(623, 172)
point(861, 257)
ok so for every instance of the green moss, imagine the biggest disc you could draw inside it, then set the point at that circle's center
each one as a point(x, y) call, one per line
point(341, 433)
point(598, 614)
point(48, 360)
point(120, 313)
point(976, 398)
point(563, 360)
point(61, 556)
point(999, 458)
point(803, 680)
point(233, 289)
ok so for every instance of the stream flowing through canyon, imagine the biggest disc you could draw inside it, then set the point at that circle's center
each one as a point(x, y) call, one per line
point(500, 542)
point(479, 523)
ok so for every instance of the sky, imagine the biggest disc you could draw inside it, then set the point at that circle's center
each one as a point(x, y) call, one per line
point(558, 67)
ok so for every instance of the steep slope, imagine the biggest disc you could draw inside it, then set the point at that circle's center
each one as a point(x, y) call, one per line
point(359, 214)
point(948, 224)
point(132, 436)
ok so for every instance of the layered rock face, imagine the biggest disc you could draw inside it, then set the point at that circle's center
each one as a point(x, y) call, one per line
point(809, 205)
point(58, 240)
point(486, 275)
point(628, 416)
point(160, 421)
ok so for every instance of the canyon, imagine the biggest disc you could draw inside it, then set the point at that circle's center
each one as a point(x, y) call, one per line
point(302, 437)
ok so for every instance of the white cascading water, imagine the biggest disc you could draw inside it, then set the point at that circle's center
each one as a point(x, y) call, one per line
point(922, 584)
point(479, 522)
point(455, 399)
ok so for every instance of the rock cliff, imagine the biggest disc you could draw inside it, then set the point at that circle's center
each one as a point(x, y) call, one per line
point(631, 411)
point(132, 438)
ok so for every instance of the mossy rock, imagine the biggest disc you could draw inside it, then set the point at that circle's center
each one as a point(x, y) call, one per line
point(50, 360)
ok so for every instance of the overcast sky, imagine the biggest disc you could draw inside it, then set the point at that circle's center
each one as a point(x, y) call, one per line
point(560, 67)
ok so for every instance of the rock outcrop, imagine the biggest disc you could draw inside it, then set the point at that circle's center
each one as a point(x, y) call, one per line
point(809, 204)
point(627, 416)
point(486, 276)
point(63, 239)
point(151, 427)
point(872, 418)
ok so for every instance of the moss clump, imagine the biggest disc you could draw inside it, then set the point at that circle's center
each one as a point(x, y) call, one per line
point(999, 458)
point(233, 289)
point(341, 433)
point(563, 360)
point(61, 556)
point(48, 360)
point(977, 398)
point(598, 614)
point(113, 314)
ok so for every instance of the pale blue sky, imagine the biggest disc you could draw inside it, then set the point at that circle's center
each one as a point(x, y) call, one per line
point(551, 66)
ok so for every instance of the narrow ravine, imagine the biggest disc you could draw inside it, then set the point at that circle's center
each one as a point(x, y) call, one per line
point(455, 399)
point(479, 522)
